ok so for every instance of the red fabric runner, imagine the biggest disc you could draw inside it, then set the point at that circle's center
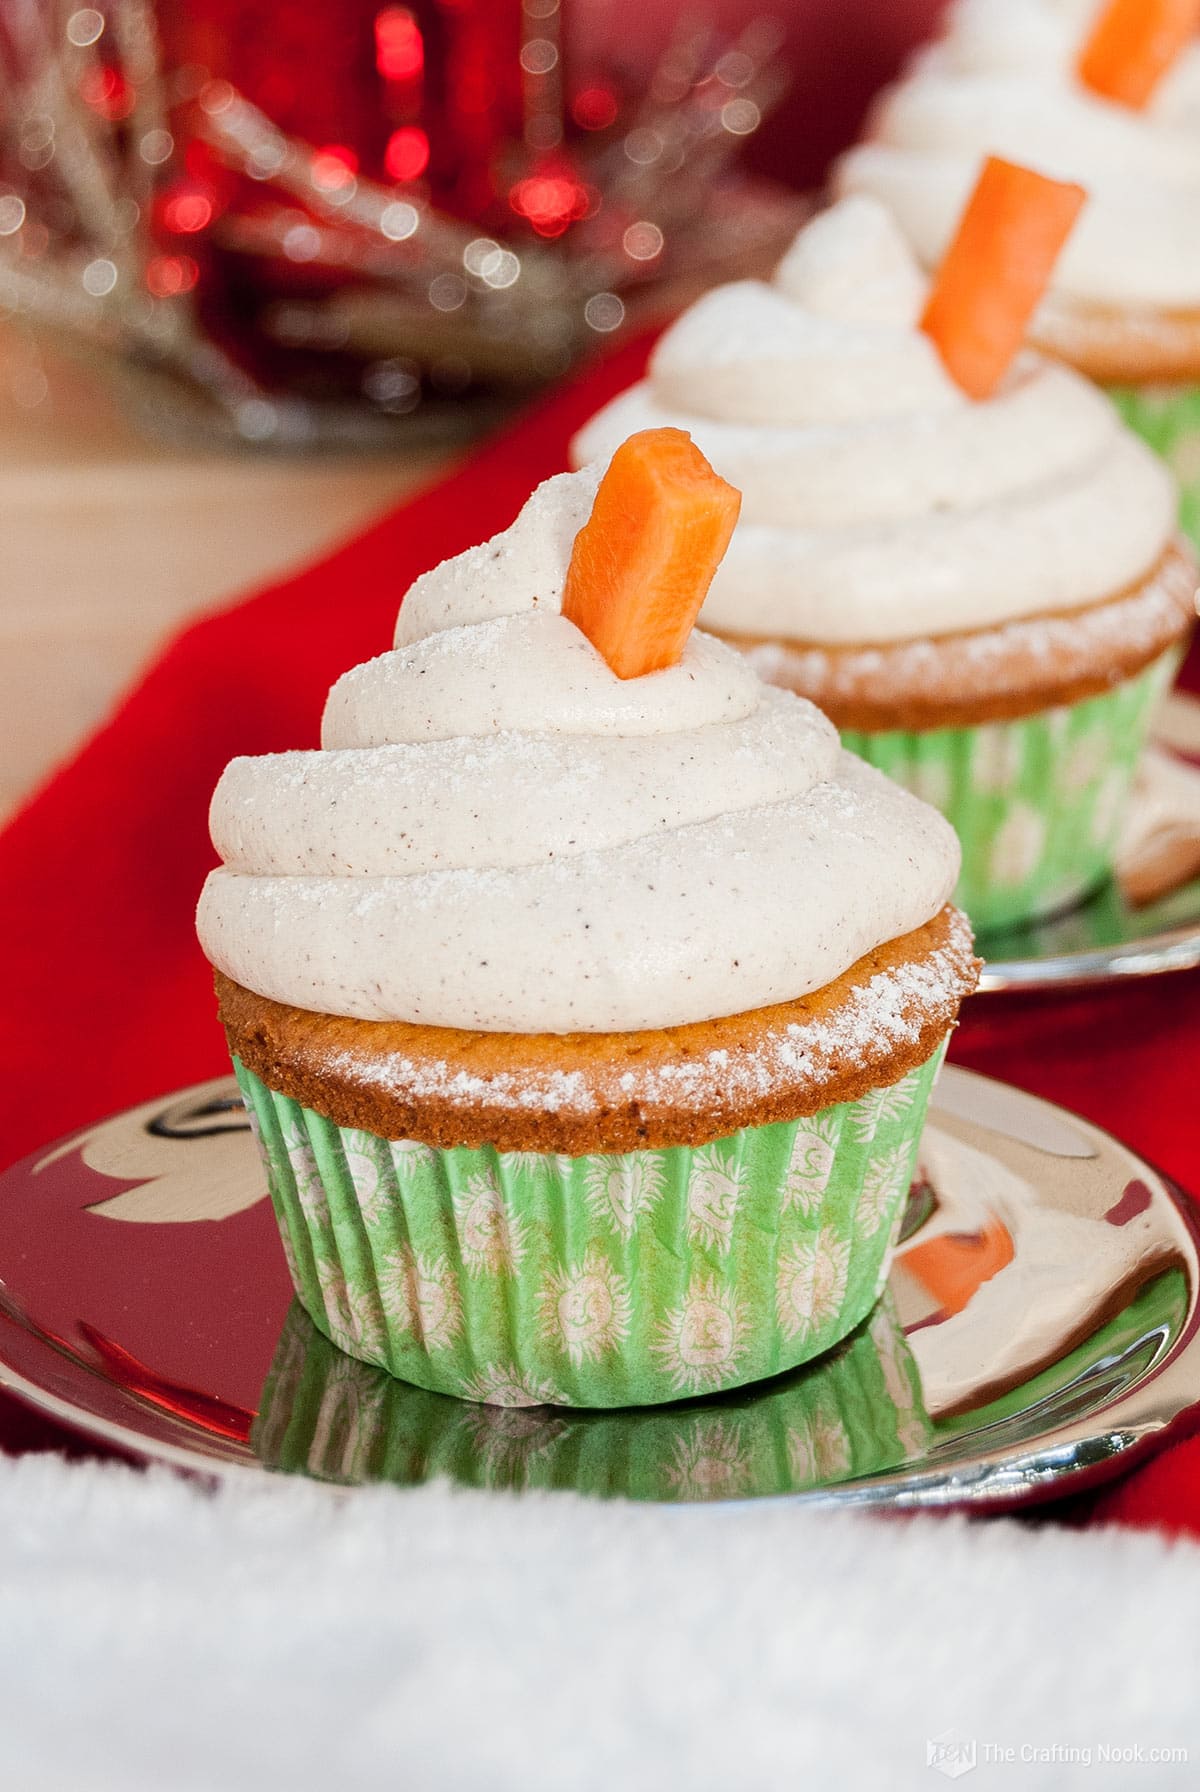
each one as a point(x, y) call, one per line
point(108, 1000)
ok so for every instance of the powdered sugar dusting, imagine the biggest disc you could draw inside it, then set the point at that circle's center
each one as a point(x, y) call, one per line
point(879, 1017)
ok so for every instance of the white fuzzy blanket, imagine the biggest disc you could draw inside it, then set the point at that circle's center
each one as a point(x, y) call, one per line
point(157, 1636)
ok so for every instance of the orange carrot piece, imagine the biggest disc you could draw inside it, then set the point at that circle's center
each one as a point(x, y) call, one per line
point(996, 269)
point(1132, 45)
point(644, 560)
point(955, 1265)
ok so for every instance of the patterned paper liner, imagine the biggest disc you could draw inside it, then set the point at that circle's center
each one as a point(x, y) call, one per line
point(1038, 802)
point(521, 1279)
point(1168, 419)
point(856, 1412)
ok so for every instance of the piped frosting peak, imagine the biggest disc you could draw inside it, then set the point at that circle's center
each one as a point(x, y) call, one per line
point(500, 834)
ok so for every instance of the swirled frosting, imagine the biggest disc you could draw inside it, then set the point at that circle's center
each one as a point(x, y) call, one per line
point(499, 834)
point(879, 503)
point(1001, 81)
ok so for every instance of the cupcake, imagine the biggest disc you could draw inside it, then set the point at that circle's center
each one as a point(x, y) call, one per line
point(587, 1022)
point(1019, 78)
point(986, 596)
point(857, 1412)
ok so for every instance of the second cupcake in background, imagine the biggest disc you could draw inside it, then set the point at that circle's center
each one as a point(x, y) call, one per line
point(987, 596)
point(1105, 94)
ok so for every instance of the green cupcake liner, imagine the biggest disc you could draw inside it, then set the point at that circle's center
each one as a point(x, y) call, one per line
point(856, 1412)
point(1038, 802)
point(519, 1278)
point(1168, 419)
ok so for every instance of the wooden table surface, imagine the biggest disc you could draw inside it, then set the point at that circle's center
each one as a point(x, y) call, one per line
point(111, 542)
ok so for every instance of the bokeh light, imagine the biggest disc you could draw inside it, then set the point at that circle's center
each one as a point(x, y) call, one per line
point(399, 46)
point(642, 241)
point(447, 292)
point(85, 27)
point(644, 146)
point(539, 56)
point(187, 211)
point(407, 154)
point(490, 262)
point(595, 108)
point(741, 117)
point(399, 221)
point(394, 385)
point(301, 243)
point(167, 276)
point(107, 92)
point(735, 68)
point(550, 201)
point(157, 147)
point(99, 277)
point(333, 169)
point(604, 312)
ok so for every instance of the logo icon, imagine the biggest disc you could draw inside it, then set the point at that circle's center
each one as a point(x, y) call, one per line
point(950, 1753)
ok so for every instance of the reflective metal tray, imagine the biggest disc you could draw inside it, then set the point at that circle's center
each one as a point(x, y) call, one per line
point(1039, 1328)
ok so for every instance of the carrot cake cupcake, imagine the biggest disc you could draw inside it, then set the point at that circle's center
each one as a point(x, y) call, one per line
point(985, 595)
point(1108, 97)
point(587, 1019)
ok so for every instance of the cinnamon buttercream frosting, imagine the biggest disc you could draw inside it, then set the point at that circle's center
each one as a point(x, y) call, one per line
point(498, 834)
point(880, 503)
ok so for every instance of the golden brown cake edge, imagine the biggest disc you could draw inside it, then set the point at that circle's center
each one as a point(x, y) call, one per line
point(616, 1092)
point(947, 682)
point(1113, 347)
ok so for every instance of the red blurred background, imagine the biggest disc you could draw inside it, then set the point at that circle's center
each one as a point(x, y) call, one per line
point(839, 53)
point(438, 99)
point(312, 67)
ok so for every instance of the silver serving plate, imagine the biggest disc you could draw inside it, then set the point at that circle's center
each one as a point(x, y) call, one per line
point(1111, 936)
point(1039, 1330)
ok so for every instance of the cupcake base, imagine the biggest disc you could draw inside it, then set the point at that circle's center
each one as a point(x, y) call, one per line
point(577, 1093)
point(1037, 802)
point(1025, 735)
point(1147, 361)
point(601, 1280)
point(1167, 417)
